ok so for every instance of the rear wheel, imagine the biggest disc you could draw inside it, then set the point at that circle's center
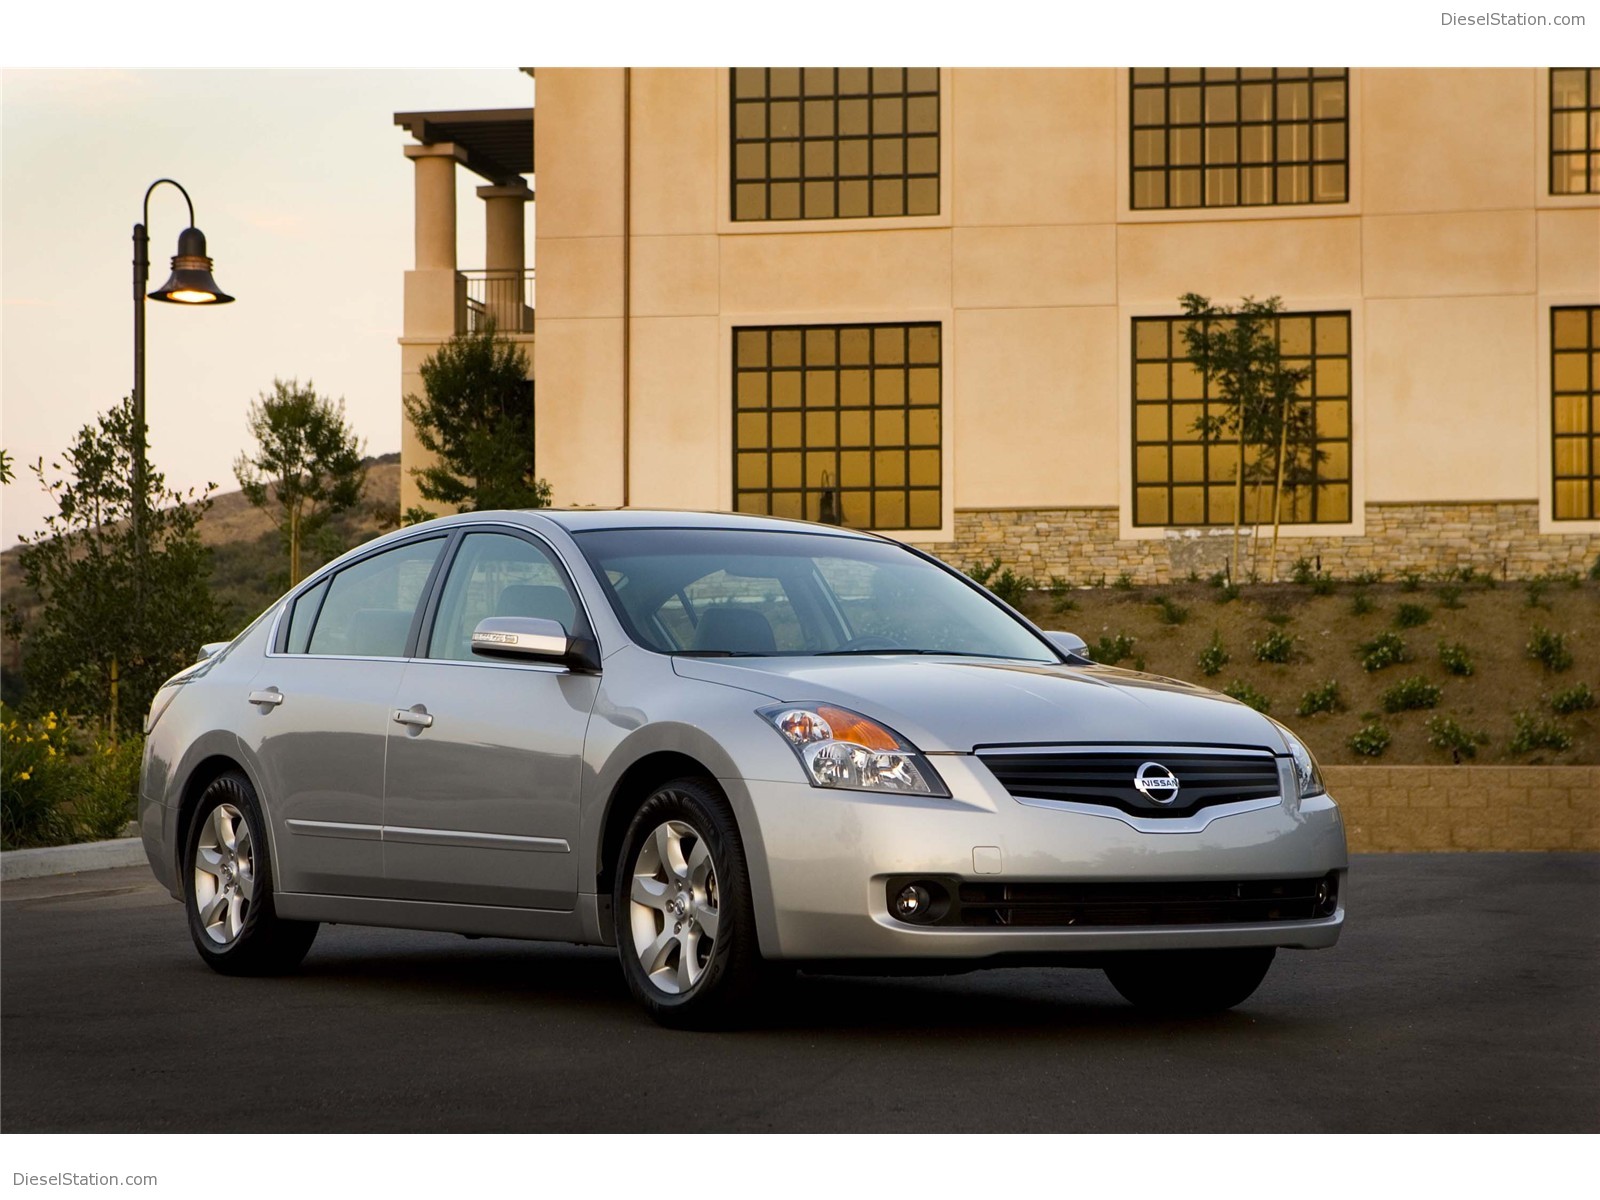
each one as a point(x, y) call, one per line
point(685, 925)
point(227, 873)
point(1190, 982)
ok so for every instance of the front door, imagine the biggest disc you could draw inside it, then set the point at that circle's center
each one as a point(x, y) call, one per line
point(485, 756)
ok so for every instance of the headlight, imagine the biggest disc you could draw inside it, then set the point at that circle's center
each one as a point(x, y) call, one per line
point(843, 749)
point(1305, 766)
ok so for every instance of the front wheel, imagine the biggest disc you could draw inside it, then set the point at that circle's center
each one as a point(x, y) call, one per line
point(1190, 982)
point(227, 876)
point(685, 925)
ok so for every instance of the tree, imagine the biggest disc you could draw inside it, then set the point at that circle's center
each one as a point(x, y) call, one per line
point(476, 418)
point(1238, 353)
point(307, 465)
point(5, 467)
point(115, 618)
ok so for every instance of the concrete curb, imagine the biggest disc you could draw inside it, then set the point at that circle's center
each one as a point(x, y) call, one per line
point(66, 860)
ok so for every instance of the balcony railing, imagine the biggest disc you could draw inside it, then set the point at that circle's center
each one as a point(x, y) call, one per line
point(505, 297)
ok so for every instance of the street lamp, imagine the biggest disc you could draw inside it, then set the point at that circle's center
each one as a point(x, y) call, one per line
point(191, 283)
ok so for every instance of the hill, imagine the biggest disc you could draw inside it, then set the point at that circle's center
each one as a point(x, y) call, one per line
point(249, 568)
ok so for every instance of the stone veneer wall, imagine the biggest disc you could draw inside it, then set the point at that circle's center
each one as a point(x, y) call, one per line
point(1468, 808)
point(1083, 543)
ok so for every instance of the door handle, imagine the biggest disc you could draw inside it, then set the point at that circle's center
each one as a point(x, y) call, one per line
point(267, 696)
point(417, 717)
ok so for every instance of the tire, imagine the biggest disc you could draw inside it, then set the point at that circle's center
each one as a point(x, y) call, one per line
point(227, 886)
point(1190, 982)
point(684, 921)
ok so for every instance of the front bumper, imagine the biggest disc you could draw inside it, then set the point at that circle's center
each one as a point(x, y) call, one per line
point(821, 860)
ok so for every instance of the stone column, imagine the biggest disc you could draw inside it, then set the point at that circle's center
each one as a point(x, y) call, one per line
point(436, 205)
point(504, 254)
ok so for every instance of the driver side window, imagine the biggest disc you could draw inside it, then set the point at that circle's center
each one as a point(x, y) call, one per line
point(497, 575)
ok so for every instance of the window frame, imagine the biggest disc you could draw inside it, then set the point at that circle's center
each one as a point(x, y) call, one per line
point(769, 323)
point(1128, 215)
point(1547, 129)
point(725, 223)
point(1591, 521)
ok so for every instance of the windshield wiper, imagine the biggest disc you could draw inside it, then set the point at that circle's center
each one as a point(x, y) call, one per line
point(910, 650)
point(718, 654)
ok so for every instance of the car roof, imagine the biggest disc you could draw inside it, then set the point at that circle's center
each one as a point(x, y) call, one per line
point(581, 520)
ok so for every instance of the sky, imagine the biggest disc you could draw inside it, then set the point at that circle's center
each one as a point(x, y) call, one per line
point(305, 198)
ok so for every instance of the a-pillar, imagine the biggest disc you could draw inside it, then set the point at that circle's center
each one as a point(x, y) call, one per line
point(504, 254)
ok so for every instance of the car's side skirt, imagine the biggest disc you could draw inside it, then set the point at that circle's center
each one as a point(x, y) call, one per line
point(481, 920)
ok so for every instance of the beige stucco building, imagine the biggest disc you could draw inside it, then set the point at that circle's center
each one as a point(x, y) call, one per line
point(939, 303)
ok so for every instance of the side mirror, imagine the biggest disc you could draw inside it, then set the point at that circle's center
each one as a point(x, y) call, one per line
point(210, 649)
point(1070, 644)
point(532, 639)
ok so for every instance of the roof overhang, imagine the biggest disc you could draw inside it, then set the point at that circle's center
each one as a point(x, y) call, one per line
point(498, 142)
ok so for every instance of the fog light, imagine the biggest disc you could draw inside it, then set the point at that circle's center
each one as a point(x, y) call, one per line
point(912, 903)
point(1326, 897)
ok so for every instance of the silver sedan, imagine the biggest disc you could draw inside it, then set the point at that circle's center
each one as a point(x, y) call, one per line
point(726, 746)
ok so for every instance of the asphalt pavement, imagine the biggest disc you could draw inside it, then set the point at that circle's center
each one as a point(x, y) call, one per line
point(1464, 996)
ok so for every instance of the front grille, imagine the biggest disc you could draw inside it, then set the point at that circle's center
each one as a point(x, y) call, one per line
point(1086, 905)
point(1106, 777)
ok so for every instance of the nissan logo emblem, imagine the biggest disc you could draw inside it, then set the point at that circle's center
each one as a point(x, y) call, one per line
point(1156, 783)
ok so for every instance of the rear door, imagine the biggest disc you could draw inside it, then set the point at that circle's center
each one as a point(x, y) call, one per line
point(485, 756)
point(320, 714)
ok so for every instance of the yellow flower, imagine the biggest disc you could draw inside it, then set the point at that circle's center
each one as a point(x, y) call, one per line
point(51, 751)
point(25, 776)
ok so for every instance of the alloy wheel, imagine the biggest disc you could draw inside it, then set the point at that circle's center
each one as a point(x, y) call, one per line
point(673, 906)
point(224, 874)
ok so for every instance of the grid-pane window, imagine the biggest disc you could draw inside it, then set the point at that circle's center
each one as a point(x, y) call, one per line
point(839, 422)
point(1575, 420)
point(1228, 137)
point(811, 143)
point(1182, 478)
point(1575, 131)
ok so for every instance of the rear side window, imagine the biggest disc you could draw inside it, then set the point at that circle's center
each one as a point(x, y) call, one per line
point(369, 606)
point(304, 616)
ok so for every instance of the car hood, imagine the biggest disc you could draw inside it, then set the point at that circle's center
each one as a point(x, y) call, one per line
point(958, 704)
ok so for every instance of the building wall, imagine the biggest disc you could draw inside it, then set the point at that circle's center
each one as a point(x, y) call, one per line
point(1448, 256)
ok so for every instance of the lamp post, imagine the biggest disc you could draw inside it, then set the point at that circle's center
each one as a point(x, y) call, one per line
point(191, 283)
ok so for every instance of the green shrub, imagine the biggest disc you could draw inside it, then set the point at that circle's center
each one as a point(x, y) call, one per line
point(36, 781)
point(1228, 593)
point(1324, 698)
point(1414, 692)
point(1453, 657)
point(1301, 572)
point(1324, 585)
point(1577, 698)
point(1061, 595)
point(1276, 647)
point(1383, 651)
point(1549, 649)
point(1171, 612)
point(1594, 569)
point(1361, 604)
point(1447, 733)
point(1410, 581)
point(1366, 578)
point(1006, 584)
point(1112, 650)
point(1536, 589)
point(1220, 578)
point(1279, 616)
point(1214, 656)
point(1531, 733)
point(1450, 596)
point(1409, 616)
point(1371, 740)
point(1245, 694)
point(59, 784)
point(1124, 582)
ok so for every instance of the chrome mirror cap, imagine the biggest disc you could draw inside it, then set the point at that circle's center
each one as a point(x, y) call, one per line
point(1070, 644)
point(522, 637)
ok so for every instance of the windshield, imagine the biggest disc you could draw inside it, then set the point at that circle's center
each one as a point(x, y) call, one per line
point(738, 592)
